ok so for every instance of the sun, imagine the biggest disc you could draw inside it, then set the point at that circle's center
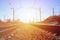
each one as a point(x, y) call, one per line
point(28, 15)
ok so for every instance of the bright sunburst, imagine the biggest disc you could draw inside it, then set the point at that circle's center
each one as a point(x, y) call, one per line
point(28, 15)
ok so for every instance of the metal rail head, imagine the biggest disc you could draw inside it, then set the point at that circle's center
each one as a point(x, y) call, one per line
point(8, 28)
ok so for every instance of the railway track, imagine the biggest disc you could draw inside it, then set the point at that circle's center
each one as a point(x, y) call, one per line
point(25, 32)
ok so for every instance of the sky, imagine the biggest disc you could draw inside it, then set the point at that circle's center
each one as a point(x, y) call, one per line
point(21, 5)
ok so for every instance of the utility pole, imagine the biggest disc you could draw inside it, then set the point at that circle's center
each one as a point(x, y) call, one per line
point(4, 17)
point(40, 14)
point(53, 11)
point(13, 13)
point(13, 10)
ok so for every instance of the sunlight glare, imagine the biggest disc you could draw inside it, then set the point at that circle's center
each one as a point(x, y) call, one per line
point(28, 15)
